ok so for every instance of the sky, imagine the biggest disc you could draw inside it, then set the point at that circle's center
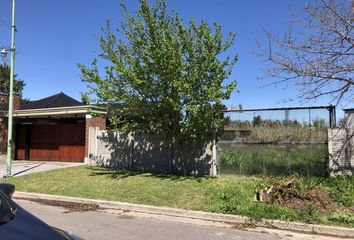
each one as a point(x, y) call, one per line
point(53, 36)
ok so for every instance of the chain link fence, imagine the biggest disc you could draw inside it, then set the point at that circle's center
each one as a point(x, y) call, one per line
point(279, 141)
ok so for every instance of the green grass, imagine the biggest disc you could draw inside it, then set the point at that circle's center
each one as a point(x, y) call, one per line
point(270, 160)
point(226, 194)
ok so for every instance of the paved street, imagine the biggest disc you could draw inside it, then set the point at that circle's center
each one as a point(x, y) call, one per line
point(126, 225)
point(26, 167)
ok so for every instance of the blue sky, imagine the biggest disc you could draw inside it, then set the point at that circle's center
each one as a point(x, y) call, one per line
point(53, 36)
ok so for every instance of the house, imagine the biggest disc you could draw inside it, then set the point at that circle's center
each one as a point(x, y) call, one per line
point(54, 128)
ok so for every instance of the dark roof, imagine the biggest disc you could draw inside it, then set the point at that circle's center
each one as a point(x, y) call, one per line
point(348, 109)
point(55, 101)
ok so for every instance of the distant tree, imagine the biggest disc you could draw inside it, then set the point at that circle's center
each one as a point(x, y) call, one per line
point(227, 121)
point(5, 81)
point(271, 123)
point(257, 121)
point(162, 75)
point(319, 123)
point(342, 123)
point(319, 60)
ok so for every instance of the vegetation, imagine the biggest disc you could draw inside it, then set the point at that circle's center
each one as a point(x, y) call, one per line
point(316, 55)
point(277, 134)
point(275, 131)
point(274, 147)
point(166, 76)
point(274, 160)
point(5, 79)
point(226, 194)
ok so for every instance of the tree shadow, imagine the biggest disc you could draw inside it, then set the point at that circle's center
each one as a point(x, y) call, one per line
point(143, 152)
point(118, 174)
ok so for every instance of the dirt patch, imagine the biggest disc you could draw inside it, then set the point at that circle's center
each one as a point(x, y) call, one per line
point(69, 206)
point(289, 193)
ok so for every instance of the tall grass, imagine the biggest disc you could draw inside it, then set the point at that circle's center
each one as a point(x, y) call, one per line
point(276, 134)
point(268, 159)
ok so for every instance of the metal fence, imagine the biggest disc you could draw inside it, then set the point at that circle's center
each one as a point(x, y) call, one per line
point(276, 141)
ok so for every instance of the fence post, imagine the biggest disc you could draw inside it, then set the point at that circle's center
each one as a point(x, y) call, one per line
point(287, 158)
point(96, 141)
point(131, 141)
point(88, 141)
point(91, 145)
point(170, 156)
point(213, 171)
point(329, 162)
point(332, 116)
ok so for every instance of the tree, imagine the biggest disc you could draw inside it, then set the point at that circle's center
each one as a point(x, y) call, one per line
point(5, 81)
point(319, 124)
point(257, 121)
point(320, 60)
point(162, 76)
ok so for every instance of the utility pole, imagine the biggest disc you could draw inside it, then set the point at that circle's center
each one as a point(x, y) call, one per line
point(11, 94)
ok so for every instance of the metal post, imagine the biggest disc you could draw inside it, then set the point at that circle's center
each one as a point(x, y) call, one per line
point(11, 94)
point(332, 116)
point(287, 158)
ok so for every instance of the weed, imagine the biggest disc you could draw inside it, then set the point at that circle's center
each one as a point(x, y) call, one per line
point(342, 217)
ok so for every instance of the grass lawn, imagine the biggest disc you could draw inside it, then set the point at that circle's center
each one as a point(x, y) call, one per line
point(226, 194)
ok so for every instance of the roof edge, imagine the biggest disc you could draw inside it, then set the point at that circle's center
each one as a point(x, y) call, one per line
point(85, 109)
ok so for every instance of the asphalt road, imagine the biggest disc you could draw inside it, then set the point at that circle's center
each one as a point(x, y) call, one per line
point(127, 225)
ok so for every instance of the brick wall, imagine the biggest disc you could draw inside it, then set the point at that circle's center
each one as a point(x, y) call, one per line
point(17, 101)
point(93, 122)
point(4, 101)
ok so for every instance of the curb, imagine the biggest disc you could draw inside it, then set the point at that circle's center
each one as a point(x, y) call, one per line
point(214, 217)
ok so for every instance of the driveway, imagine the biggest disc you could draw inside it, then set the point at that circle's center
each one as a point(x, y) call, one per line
point(20, 168)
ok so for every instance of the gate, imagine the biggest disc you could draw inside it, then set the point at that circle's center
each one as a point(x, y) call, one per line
point(275, 141)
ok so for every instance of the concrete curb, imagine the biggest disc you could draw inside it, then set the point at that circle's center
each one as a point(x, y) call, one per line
point(214, 217)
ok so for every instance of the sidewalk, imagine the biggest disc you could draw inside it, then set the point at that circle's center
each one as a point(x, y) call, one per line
point(20, 168)
point(239, 221)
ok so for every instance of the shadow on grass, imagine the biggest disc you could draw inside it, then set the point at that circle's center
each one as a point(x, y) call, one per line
point(121, 174)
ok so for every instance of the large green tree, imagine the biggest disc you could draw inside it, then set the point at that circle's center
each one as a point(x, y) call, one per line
point(5, 79)
point(161, 74)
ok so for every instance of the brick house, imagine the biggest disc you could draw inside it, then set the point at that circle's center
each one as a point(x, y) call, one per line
point(54, 128)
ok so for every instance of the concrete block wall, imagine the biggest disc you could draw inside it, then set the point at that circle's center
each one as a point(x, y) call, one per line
point(341, 151)
point(149, 153)
point(349, 119)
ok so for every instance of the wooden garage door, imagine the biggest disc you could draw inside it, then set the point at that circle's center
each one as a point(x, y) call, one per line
point(63, 142)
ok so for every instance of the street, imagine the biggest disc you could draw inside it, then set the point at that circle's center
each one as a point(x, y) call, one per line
point(113, 224)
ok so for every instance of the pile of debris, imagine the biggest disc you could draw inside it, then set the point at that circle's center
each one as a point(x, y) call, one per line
point(289, 193)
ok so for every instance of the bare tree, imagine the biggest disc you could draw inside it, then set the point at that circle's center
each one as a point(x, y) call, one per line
point(319, 60)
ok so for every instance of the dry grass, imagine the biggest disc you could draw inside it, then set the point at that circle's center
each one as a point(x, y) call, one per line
point(296, 134)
